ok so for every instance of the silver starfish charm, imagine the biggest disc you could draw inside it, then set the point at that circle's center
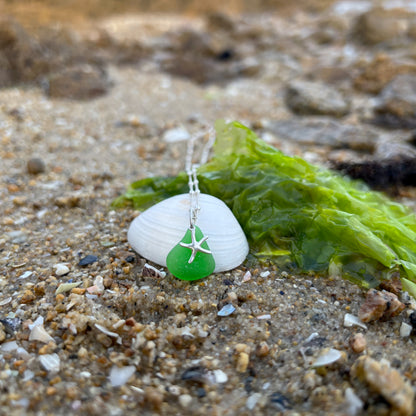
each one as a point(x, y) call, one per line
point(195, 246)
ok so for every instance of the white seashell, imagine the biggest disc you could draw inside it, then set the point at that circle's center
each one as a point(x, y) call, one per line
point(158, 229)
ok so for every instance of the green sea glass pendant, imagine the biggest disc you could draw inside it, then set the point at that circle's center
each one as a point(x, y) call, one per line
point(191, 258)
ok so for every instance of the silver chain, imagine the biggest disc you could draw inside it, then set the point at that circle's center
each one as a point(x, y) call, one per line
point(190, 169)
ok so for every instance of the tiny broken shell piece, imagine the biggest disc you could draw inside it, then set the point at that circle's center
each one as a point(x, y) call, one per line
point(328, 356)
point(351, 320)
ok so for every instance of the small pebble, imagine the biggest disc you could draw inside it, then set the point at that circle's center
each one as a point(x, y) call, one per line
point(353, 403)
point(220, 376)
point(358, 343)
point(61, 269)
point(185, 400)
point(405, 330)
point(252, 401)
point(9, 346)
point(25, 275)
point(120, 375)
point(242, 362)
point(262, 350)
point(66, 287)
point(176, 135)
point(280, 402)
point(50, 362)
point(85, 261)
point(38, 333)
point(226, 310)
point(35, 166)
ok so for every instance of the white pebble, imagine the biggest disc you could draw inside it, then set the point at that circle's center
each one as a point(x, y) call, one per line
point(247, 276)
point(176, 135)
point(220, 376)
point(9, 346)
point(38, 321)
point(99, 282)
point(350, 320)
point(252, 401)
point(354, 403)
point(6, 301)
point(265, 274)
point(28, 375)
point(405, 329)
point(327, 358)
point(185, 400)
point(61, 269)
point(120, 375)
point(22, 353)
point(265, 316)
point(25, 275)
point(226, 310)
point(38, 333)
point(50, 362)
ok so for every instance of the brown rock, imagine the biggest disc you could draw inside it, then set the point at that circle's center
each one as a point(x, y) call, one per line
point(79, 82)
point(393, 285)
point(358, 343)
point(375, 75)
point(35, 166)
point(387, 382)
point(262, 350)
point(28, 297)
point(382, 25)
point(243, 360)
point(21, 57)
point(380, 305)
point(153, 397)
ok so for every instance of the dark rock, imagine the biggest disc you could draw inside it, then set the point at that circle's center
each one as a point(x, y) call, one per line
point(200, 392)
point(397, 107)
point(11, 324)
point(79, 82)
point(280, 402)
point(325, 132)
point(314, 98)
point(380, 25)
point(412, 318)
point(194, 374)
point(392, 164)
point(85, 261)
point(381, 174)
point(35, 166)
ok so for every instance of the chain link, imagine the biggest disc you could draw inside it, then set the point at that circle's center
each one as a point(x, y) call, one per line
point(190, 169)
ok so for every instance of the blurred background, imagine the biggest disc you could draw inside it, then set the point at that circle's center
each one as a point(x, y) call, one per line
point(333, 81)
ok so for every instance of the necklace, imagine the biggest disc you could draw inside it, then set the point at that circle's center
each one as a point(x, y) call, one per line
point(199, 261)
point(193, 234)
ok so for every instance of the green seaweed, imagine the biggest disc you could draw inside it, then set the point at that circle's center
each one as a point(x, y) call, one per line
point(297, 214)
